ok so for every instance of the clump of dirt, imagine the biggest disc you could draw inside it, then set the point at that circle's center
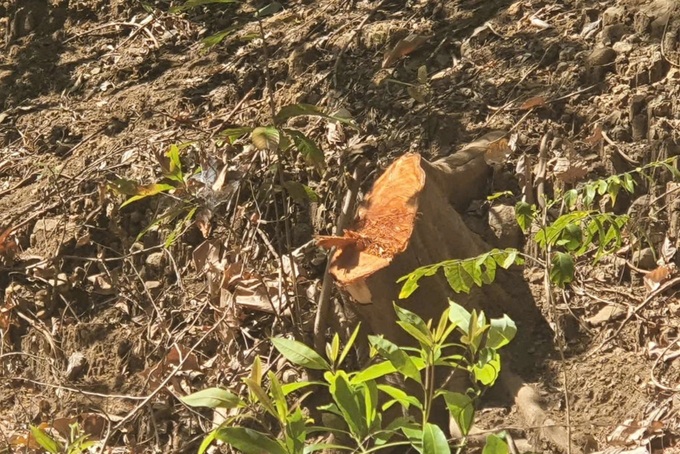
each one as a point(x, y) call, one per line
point(98, 319)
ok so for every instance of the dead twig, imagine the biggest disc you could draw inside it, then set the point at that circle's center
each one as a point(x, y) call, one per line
point(656, 363)
point(663, 287)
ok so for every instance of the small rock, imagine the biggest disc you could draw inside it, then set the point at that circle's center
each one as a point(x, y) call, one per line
point(644, 258)
point(622, 47)
point(614, 33)
point(604, 56)
point(606, 314)
point(76, 365)
point(613, 15)
point(504, 226)
point(154, 287)
point(156, 261)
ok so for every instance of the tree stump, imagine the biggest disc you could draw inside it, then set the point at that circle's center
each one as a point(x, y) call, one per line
point(410, 219)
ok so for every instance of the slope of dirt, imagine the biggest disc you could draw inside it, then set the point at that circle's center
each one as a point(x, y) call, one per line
point(103, 325)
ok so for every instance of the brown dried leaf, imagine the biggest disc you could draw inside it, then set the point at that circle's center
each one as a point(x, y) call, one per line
point(403, 48)
point(658, 276)
point(498, 151)
point(532, 103)
point(178, 353)
point(8, 247)
point(570, 171)
point(596, 137)
point(94, 425)
point(203, 217)
point(668, 251)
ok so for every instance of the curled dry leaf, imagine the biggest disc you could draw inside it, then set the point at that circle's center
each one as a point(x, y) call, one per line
point(202, 220)
point(536, 22)
point(498, 151)
point(531, 103)
point(596, 137)
point(402, 48)
point(655, 278)
point(668, 251)
point(8, 247)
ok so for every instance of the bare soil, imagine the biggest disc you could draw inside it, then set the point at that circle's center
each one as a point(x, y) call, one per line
point(109, 328)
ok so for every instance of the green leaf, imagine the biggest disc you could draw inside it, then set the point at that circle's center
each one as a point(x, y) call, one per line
point(411, 319)
point(571, 237)
point(279, 397)
point(489, 270)
point(399, 359)
point(524, 213)
point(333, 349)
point(299, 110)
point(207, 441)
point(309, 150)
point(194, 3)
point(269, 10)
point(299, 354)
point(266, 138)
point(216, 38)
point(249, 441)
point(401, 397)
point(461, 408)
point(233, 134)
point(45, 441)
point(456, 276)
point(602, 187)
point(295, 386)
point(488, 367)
point(501, 332)
point(444, 328)
point(147, 190)
point(507, 257)
point(256, 370)
point(591, 191)
point(474, 270)
point(570, 197)
point(498, 195)
point(350, 343)
point(348, 399)
point(562, 268)
point(628, 183)
point(434, 440)
point(261, 396)
point(300, 192)
point(495, 445)
point(459, 316)
point(374, 371)
point(175, 170)
point(212, 398)
point(180, 227)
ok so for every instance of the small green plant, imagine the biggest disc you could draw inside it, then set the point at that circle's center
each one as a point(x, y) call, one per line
point(581, 229)
point(242, 20)
point(358, 399)
point(77, 442)
point(183, 202)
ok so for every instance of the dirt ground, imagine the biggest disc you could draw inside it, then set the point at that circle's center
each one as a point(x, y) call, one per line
point(94, 317)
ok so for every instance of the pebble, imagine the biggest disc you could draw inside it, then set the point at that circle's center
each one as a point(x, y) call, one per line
point(601, 57)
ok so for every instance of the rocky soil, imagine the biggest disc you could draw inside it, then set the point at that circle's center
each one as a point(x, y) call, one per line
point(109, 313)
